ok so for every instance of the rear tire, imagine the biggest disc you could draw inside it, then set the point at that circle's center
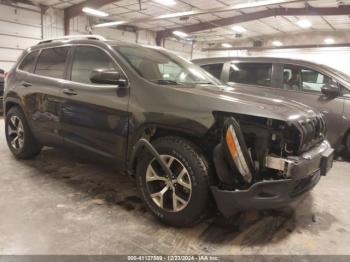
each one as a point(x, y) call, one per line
point(189, 185)
point(19, 137)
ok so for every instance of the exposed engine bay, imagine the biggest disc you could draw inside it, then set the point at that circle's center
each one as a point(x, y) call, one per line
point(253, 149)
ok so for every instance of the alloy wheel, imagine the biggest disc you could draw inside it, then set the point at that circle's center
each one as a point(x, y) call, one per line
point(174, 194)
point(15, 132)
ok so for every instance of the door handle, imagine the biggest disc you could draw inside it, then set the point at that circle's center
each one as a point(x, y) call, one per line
point(26, 84)
point(69, 92)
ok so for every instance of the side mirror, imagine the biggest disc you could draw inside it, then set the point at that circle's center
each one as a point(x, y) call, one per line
point(330, 90)
point(107, 76)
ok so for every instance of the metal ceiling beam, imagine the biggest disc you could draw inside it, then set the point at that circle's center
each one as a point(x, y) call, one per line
point(76, 10)
point(280, 11)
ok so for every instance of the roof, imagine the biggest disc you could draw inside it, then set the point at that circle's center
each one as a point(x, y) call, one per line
point(249, 58)
point(94, 40)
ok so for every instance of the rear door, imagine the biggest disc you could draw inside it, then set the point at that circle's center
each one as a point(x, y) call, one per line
point(304, 85)
point(41, 87)
point(252, 77)
point(94, 116)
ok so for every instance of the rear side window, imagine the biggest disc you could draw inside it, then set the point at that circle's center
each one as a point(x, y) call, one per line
point(214, 69)
point(52, 62)
point(251, 73)
point(28, 62)
point(87, 59)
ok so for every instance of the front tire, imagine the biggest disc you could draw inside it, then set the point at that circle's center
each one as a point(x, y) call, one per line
point(183, 200)
point(19, 137)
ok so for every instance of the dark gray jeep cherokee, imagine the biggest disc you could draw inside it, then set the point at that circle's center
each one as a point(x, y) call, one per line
point(189, 140)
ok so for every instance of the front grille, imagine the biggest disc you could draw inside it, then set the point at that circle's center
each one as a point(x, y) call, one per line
point(314, 131)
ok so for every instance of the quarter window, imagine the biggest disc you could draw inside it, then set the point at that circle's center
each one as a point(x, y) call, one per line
point(251, 73)
point(52, 62)
point(303, 79)
point(214, 69)
point(29, 62)
point(87, 59)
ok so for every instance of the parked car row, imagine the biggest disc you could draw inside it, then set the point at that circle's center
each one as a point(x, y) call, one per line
point(318, 86)
point(187, 138)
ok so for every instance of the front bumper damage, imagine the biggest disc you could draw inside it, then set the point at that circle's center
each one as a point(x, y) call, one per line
point(301, 175)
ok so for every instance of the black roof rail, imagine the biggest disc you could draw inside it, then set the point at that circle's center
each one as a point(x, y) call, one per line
point(72, 37)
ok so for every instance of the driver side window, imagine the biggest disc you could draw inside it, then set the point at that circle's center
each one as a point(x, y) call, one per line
point(303, 79)
point(86, 59)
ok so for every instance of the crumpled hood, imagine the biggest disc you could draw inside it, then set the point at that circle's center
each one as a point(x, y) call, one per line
point(264, 106)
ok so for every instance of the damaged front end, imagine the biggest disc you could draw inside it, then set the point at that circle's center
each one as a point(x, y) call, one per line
point(265, 164)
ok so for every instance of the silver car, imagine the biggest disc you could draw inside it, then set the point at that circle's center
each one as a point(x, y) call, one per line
point(316, 85)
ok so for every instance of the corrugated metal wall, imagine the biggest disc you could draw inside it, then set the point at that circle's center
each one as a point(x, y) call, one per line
point(22, 27)
point(19, 28)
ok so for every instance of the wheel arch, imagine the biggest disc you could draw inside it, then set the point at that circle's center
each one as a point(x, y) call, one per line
point(153, 132)
point(10, 101)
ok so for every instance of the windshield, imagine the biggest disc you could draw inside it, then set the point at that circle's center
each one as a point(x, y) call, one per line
point(163, 67)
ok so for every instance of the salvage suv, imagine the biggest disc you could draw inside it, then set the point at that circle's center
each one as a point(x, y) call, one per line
point(189, 140)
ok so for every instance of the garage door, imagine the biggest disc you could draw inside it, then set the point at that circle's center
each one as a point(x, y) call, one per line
point(19, 29)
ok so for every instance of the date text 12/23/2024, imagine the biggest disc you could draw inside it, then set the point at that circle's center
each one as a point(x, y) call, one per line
point(173, 258)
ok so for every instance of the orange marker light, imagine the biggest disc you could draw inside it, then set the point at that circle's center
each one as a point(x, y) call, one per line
point(231, 144)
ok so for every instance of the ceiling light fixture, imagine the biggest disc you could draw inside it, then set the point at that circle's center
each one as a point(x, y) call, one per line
point(175, 15)
point(226, 45)
point(94, 12)
point(239, 29)
point(166, 2)
point(109, 24)
point(180, 34)
point(329, 41)
point(277, 43)
point(303, 23)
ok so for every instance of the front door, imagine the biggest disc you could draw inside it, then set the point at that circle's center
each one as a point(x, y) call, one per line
point(94, 116)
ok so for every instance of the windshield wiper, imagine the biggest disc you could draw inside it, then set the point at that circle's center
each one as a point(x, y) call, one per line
point(166, 82)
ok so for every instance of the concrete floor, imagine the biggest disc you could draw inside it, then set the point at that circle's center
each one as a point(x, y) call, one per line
point(63, 204)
